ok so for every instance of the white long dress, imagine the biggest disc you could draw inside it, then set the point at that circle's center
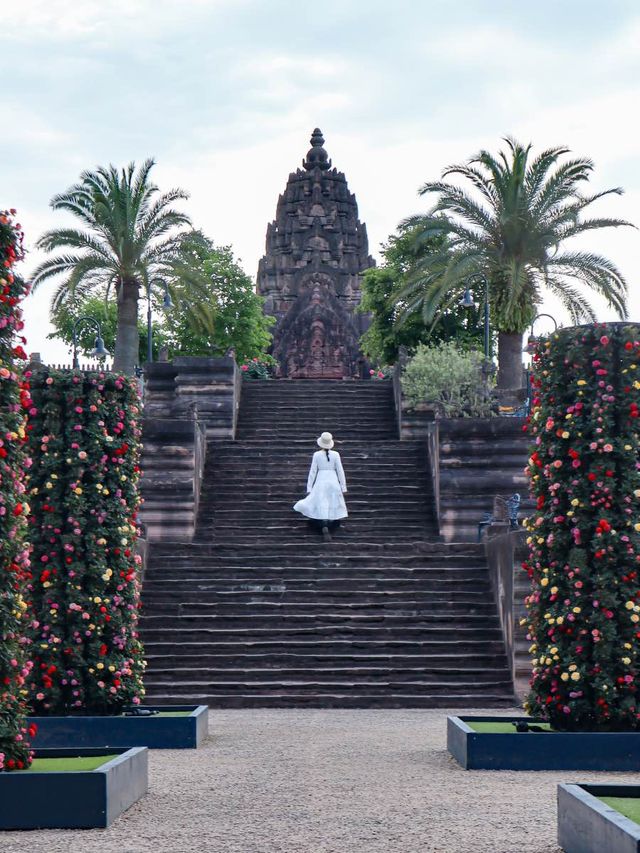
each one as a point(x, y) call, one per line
point(325, 486)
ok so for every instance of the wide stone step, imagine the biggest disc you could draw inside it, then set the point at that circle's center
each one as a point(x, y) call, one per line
point(446, 663)
point(298, 634)
point(164, 646)
point(255, 609)
point(390, 675)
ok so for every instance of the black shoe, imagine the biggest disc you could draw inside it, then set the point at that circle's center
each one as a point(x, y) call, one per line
point(325, 533)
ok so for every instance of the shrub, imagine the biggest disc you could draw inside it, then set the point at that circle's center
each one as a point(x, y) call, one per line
point(584, 607)
point(85, 589)
point(448, 376)
point(261, 367)
point(14, 557)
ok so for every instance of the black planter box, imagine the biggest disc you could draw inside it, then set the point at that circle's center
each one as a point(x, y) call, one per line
point(73, 799)
point(587, 825)
point(535, 751)
point(155, 732)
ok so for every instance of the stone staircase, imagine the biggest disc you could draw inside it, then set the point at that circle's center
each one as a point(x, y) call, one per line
point(258, 611)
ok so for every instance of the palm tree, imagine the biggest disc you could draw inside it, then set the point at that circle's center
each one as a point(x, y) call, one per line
point(512, 228)
point(129, 236)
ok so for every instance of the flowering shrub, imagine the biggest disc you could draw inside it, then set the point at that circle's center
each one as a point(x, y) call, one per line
point(584, 608)
point(448, 376)
point(380, 373)
point(85, 590)
point(259, 368)
point(14, 557)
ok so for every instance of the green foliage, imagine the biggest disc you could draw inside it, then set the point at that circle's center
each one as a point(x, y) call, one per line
point(128, 238)
point(446, 375)
point(14, 555)
point(381, 289)
point(106, 313)
point(512, 227)
point(217, 308)
point(84, 594)
point(584, 539)
point(262, 367)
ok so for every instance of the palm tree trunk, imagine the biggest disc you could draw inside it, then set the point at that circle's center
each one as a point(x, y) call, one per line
point(127, 341)
point(509, 360)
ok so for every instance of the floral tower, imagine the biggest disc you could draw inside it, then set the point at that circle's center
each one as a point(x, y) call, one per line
point(316, 251)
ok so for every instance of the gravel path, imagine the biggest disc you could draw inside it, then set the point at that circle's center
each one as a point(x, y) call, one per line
point(334, 781)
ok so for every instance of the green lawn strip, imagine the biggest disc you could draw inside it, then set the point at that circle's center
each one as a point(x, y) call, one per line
point(75, 762)
point(494, 727)
point(627, 806)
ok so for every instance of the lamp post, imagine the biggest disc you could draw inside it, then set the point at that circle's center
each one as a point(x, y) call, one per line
point(166, 305)
point(532, 340)
point(99, 351)
point(467, 302)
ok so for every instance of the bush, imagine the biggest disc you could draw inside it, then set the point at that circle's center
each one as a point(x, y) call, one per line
point(448, 376)
point(14, 556)
point(85, 590)
point(584, 608)
point(259, 368)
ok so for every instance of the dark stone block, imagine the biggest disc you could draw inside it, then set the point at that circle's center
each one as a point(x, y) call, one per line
point(73, 800)
point(587, 825)
point(612, 751)
point(155, 732)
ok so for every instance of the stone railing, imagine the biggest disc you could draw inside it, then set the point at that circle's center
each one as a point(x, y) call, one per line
point(173, 458)
point(212, 384)
point(504, 550)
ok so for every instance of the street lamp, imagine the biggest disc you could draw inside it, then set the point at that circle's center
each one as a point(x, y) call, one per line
point(532, 341)
point(167, 304)
point(467, 302)
point(99, 350)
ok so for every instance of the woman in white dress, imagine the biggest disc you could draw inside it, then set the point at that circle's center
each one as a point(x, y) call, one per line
point(326, 487)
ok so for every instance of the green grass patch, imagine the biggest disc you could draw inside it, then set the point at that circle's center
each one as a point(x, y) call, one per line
point(627, 806)
point(65, 765)
point(495, 727)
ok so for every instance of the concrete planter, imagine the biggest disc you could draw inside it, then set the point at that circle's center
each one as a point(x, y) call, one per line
point(73, 799)
point(155, 732)
point(587, 825)
point(612, 751)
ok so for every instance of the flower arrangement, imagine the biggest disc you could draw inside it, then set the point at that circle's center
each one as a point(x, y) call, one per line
point(584, 539)
point(84, 590)
point(260, 367)
point(14, 555)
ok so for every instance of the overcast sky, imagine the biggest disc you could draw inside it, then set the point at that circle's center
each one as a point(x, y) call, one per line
point(224, 94)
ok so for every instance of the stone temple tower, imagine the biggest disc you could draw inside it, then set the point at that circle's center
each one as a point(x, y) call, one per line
point(316, 250)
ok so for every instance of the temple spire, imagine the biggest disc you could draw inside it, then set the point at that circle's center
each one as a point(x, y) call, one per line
point(317, 157)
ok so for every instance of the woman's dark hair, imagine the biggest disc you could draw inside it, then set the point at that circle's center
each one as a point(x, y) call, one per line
point(328, 457)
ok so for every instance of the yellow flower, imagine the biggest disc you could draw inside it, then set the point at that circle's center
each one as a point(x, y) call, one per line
point(565, 676)
point(577, 609)
point(581, 382)
point(576, 502)
point(553, 651)
point(629, 605)
point(565, 434)
point(626, 661)
point(554, 590)
point(78, 490)
point(635, 617)
point(544, 581)
point(572, 667)
point(575, 676)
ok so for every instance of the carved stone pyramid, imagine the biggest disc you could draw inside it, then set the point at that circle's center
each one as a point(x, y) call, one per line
point(316, 251)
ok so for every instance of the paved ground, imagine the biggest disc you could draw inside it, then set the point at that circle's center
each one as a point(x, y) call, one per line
point(324, 782)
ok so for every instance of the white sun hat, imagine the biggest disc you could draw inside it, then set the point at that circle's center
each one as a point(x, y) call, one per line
point(325, 441)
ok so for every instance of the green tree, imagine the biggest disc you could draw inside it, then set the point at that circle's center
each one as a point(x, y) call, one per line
point(381, 289)
point(129, 236)
point(105, 312)
point(512, 227)
point(216, 305)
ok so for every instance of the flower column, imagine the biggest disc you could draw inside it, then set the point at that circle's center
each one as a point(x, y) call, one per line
point(14, 561)
point(584, 608)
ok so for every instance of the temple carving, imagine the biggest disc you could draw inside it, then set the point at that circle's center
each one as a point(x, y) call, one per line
point(316, 251)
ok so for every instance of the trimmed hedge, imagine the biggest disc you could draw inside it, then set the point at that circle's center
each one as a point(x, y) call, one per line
point(584, 608)
point(14, 555)
point(85, 588)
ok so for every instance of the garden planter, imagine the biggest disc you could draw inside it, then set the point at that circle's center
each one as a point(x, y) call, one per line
point(73, 798)
point(175, 727)
point(589, 824)
point(506, 750)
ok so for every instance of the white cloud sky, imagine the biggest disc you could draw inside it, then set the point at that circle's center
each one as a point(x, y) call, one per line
point(224, 95)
